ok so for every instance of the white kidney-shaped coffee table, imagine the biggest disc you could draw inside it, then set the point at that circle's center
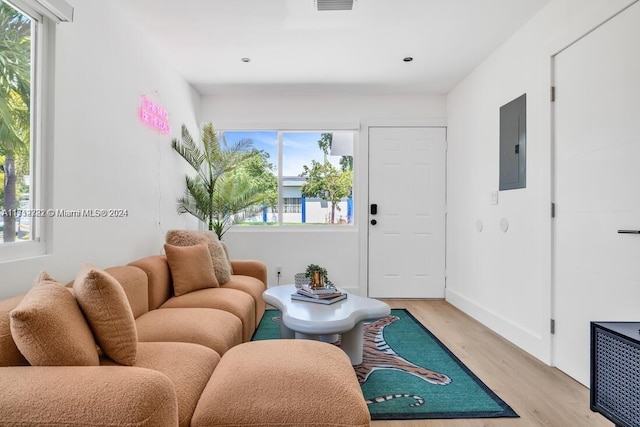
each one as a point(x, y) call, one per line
point(308, 320)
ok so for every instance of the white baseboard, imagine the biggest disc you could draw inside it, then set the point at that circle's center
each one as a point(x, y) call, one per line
point(528, 340)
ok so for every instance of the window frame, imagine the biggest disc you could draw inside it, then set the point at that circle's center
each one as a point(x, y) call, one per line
point(42, 106)
point(280, 226)
point(291, 207)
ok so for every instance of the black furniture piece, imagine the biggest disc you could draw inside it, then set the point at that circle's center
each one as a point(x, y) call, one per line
point(615, 371)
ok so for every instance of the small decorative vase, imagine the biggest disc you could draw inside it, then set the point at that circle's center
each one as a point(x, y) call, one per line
point(301, 279)
point(316, 282)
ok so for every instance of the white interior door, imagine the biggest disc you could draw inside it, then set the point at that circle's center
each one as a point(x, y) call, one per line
point(407, 184)
point(597, 184)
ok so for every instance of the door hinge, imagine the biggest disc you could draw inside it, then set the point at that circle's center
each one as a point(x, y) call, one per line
point(553, 210)
point(553, 326)
point(553, 93)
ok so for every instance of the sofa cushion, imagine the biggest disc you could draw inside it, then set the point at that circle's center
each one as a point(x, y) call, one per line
point(218, 256)
point(84, 396)
point(49, 329)
point(9, 353)
point(253, 287)
point(301, 383)
point(216, 329)
point(105, 305)
point(191, 268)
point(158, 277)
point(188, 366)
point(233, 301)
point(135, 284)
point(250, 267)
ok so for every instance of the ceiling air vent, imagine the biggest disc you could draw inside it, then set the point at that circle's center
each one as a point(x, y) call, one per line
point(335, 4)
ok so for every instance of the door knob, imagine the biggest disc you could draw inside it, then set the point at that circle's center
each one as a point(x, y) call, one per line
point(374, 222)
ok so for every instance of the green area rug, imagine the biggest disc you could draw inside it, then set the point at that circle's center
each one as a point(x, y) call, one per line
point(407, 373)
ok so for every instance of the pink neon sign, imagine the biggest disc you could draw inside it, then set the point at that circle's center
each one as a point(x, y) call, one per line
point(154, 115)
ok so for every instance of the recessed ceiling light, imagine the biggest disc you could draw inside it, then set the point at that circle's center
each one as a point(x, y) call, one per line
point(407, 59)
point(245, 59)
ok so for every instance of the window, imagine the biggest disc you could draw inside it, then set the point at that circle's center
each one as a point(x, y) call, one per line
point(292, 204)
point(305, 177)
point(25, 39)
point(16, 54)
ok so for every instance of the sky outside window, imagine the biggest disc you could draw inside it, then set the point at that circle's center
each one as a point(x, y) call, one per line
point(298, 148)
point(262, 140)
point(321, 197)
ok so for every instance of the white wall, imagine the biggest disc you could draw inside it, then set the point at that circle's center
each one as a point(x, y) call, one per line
point(342, 252)
point(101, 156)
point(504, 279)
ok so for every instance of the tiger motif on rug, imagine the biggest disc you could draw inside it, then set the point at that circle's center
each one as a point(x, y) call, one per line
point(378, 355)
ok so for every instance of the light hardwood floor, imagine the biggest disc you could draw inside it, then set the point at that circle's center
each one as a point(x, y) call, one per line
point(541, 395)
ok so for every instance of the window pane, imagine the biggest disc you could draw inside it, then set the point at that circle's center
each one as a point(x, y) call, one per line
point(257, 176)
point(16, 35)
point(315, 184)
point(322, 181)
point(292, 205)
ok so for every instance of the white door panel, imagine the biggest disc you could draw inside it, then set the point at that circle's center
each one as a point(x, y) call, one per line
point(407, 182)
point(597, 185)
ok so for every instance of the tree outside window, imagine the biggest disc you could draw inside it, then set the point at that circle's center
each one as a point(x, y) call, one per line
point(326, 181)
point(15, 119)
point(309, 186)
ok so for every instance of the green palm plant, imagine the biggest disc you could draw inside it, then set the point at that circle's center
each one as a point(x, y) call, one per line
point(234, 193)
point(15, 89)
point(216, 194)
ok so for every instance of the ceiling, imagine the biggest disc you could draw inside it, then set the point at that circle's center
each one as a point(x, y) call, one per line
point(295, 48)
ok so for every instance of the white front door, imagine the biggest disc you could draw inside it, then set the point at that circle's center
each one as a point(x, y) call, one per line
point(597, 115)
point(407, 234)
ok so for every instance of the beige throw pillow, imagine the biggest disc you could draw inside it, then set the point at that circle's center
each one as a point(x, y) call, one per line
point(9, 353)
point(106, 307)
point(226, 253)
point(49, 328)
point(191, 268)
point(218, 256)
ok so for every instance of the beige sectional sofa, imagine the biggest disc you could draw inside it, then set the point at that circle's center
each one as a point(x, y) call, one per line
point(191, 363)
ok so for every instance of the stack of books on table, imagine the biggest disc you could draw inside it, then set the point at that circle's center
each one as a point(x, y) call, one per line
point(319, 296)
